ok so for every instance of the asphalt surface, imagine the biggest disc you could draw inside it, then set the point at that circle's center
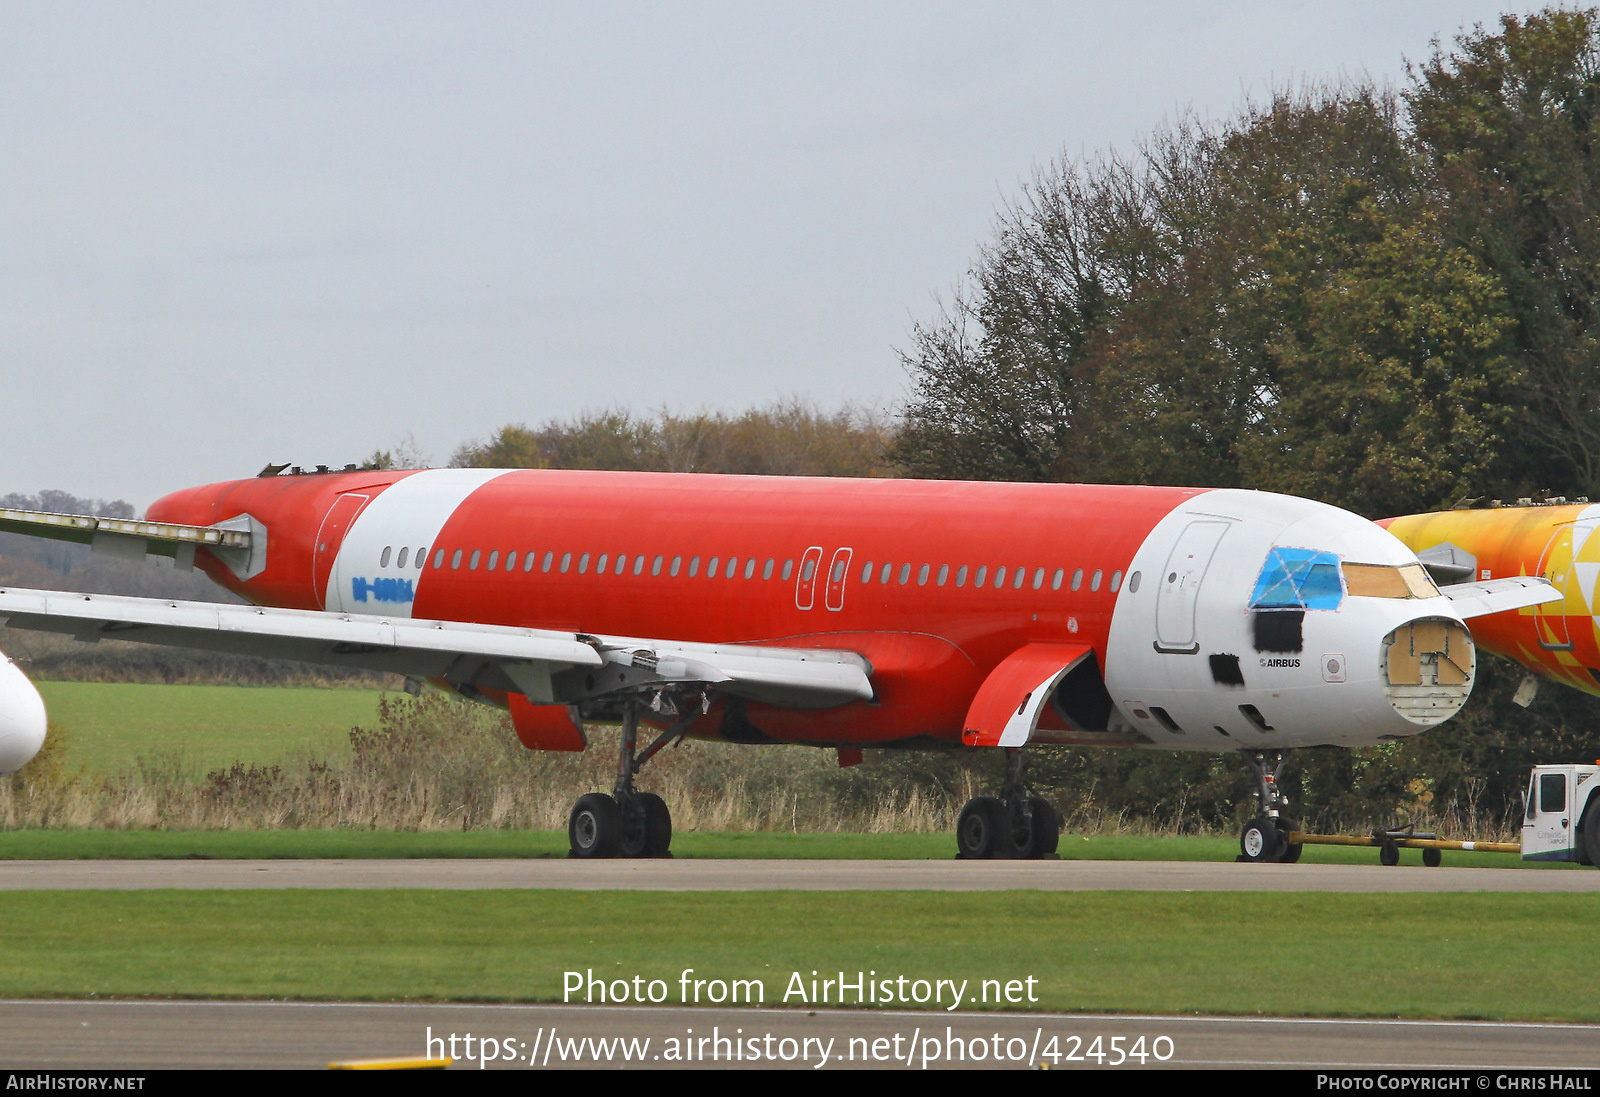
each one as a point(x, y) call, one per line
point(733, 875)
point(135, 1035)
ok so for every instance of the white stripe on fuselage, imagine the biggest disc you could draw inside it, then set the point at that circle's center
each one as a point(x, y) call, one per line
point(409, 514)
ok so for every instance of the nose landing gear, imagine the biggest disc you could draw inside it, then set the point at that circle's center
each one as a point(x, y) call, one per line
point(626, 823)
point(1015, 825)
point(1266, 837)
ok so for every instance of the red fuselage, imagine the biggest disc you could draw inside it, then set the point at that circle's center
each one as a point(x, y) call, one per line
point(933, 582)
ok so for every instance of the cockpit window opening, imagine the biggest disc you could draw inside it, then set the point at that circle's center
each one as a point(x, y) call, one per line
point(1386, 581)
point(1298, 578)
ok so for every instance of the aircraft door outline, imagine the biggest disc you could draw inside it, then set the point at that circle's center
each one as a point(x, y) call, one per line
point(1553, 615)
point(1180, 586)
point(838, 575)
point(805, 580)
point(330, 535)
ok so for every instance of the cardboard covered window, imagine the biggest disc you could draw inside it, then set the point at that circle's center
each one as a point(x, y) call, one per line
point(1386, 581)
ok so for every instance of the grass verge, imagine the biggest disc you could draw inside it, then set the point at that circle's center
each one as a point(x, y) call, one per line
point(137, 844)
point(1448, 956)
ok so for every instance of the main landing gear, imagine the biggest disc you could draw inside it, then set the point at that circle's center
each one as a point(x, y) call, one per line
point(626, 823)
point(1266, 837)
point(1016, 825)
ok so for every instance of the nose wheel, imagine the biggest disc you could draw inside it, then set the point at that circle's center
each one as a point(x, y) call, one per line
point(1266, 838)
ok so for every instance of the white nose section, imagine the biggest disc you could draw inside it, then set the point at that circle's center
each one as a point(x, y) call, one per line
point(22, 718)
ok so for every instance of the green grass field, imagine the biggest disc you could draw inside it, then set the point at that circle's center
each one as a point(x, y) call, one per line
point(1459, 956)
point(110, 724)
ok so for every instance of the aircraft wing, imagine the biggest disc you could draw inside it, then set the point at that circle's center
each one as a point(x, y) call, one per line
point(546, 667)
point(1498, 595)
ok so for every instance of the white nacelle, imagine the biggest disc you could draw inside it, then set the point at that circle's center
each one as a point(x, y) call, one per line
point(1186, 665)
point(22, 718)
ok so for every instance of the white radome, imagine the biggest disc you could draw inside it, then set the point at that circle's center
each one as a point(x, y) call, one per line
point(22, 718)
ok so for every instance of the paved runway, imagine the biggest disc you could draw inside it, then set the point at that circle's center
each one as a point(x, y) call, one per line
point(731, 875)
point(134, 1035)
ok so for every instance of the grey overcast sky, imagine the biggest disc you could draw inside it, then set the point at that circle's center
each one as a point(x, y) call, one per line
point(240, 233)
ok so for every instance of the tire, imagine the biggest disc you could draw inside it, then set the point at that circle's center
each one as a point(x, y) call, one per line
point(1291, 850)
point(983, 829)
point(1591, 830)
point(1262, 842)
point(1433, 858)
point(1388, 855)
point(657, 825)
point(1046, 826)
point(594, 829)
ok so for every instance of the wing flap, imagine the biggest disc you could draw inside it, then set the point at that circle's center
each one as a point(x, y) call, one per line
point(1498, 595)
point(544, 666)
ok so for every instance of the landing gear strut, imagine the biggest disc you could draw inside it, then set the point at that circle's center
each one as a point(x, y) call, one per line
point(626, 823)
point(1266, 837)
point(1016, 825)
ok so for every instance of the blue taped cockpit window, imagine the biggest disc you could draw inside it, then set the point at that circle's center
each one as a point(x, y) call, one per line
point(1294, 578)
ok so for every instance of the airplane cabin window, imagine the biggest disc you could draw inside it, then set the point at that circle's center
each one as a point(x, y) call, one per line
point(1116, 581)
point(999, 578)
point(401, 561)
point(961, 576)
point(838, 571)
point(883, 576)
point(494, 559)
point(788, 570)
point(922, 576)
point(983, 573)
point(1038, 578)
point(766, 572)
point(472, 565)
point(905, 574)
point(807, 570)
point(1055, 580)
point(621, 565)
point(383, 558)
point(638, 564)
point(694, 566)
point(600, 565)
point(750, 568)
point(655, 566)
point(422, 555)
point(438, 559)
point(455, 560)
point(711, 568)
point(1021, 577)
point(511, 560)
point(677, 562)
point(944, 573)
point(1077, 579)
point(528, 561)
point(549, 558)
point(583, 564)
point(1094, 580)
point(866, 573)
point(1133, 583)
point(566, 562)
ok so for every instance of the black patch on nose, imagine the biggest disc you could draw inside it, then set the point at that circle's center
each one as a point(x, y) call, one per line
point(1225, 670)
point(1280, 629)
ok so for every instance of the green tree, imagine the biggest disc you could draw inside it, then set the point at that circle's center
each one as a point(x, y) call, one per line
point(1508, 120)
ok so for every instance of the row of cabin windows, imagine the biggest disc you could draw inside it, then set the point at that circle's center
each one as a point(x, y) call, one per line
point(618, 565)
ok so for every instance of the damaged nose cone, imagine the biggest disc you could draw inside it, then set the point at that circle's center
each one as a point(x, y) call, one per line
point(22, 718)
point(1428, 666)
